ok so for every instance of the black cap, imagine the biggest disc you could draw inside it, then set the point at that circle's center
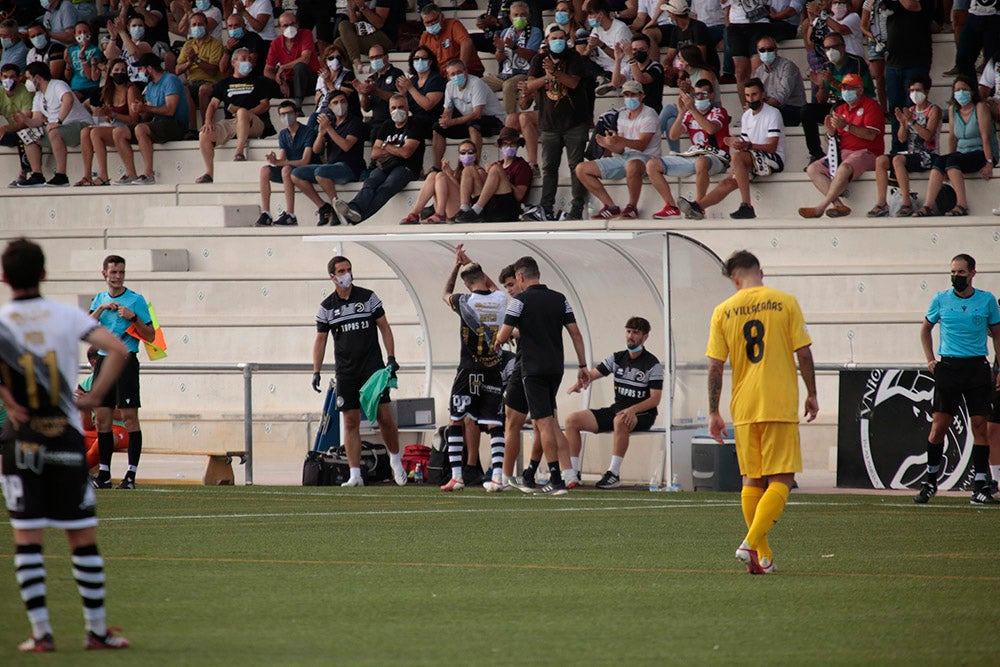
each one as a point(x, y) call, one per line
point(149, 60)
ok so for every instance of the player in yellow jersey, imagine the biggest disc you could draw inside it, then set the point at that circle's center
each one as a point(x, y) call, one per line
point(761, 331)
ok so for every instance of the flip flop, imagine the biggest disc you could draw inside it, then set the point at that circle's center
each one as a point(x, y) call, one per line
point(838, 211)
point(204, 178)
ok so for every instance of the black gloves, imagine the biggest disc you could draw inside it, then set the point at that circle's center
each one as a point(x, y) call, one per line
point(392, 366)
point(316, 383)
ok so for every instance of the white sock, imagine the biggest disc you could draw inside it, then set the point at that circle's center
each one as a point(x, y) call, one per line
point(575, 462)
point(995, 472)
point(569, 475)
point(497, 475)
point(267, 213)
point(477, 209)
point(356, 474)
point(395, 460)
point(456, 473)
point(464, 207)
point(507, 479)
point(616, 464)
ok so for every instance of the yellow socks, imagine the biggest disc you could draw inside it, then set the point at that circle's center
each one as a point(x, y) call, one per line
point(768, 509)
point(750, 498)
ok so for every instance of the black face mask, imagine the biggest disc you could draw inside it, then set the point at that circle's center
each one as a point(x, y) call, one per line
point(960, 283)
point(120, 78)
point(754, 106)
point(640, 56)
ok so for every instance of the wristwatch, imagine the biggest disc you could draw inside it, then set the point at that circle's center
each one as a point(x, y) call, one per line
point(133, 318)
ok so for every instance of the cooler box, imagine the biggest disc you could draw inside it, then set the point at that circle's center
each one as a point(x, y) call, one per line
point(714, 466)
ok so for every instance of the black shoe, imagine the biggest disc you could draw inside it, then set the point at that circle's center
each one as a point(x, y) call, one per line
point(468, 216)
point(264, 220)
point(993, 488)
point(609, 481)
point(58, 181)
point(553, 489)
point(426, 212)
point(528, 478)
point(326, 216)
point(35, 180)
point(927, 491)
point(691, 209)
point(98, 483)
point(127, 483)
point(983, 497)
point(286, 219)
point(744, 212)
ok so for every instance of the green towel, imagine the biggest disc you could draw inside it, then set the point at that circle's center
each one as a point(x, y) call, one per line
point(371, 391)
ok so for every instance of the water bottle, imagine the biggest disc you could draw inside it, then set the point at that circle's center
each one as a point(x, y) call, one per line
point(653, 484)
point(418, 474)
point(675, 484)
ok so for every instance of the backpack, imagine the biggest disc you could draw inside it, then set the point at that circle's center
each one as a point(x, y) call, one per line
point(414, 455)
point(946, 199)
point(439, 468)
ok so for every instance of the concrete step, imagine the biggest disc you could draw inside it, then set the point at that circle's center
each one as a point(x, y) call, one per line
point(199, 216)
point(137, 260)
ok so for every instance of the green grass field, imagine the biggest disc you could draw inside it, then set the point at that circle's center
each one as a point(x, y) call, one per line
point(382, 575)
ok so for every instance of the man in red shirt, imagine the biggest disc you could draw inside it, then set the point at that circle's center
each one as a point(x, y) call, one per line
point(291, 60)
point(859, 125)
point(448, 39)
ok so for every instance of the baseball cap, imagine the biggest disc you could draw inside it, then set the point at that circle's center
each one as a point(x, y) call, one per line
point(677, 7)
point(633, 87)
point(852, 81)
point(149, 60)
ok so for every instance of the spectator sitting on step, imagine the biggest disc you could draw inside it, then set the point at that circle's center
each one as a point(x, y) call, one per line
point(369, 23)
point(338, 140)
point(238, 37)
point(128, 42)
point(44, 49)
point(14, 99)
point(59, 115)
point(693, 68)
point(374, 93)
point(398, 154)
point(450, 188)
point(919, 126)
point(858, 126)
point(118, 95)
point(448, 39)
point(515, 47)
point(424, 89)
point(599, 50)
point(247, 101)
point(14, 50)
point(636, 141)
point(688, 32)
point(335, 73)
point(506, 185)
point(707, 124)
point(181, 11)
point(199, 64)
point(634, 63)
point(758, 151)
point(492, 22)
point(653, 21)
point(782, 80)
point(972, 148)
point(471, 111)
point(295, 149)
point(291, 61)
point(163, 112)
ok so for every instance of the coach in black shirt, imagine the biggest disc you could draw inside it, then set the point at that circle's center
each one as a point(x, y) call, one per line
point(540, 314)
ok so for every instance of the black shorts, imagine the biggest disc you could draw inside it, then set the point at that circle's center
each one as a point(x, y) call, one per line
point(915, 162)
point(513, 396)
point(743, 38)
point(275, 174)
point(956, 378)
point(477, 394)
point(349, 392)
point(995, 413)
point(540, 392)
point(488, 126)
point(125, 392)
point(162, 130)
point(45, 480)
point(502, 208)
point(967, 163)
point(606, 420)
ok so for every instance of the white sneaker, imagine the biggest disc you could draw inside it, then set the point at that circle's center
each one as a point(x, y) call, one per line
point(996, 211)
point(399, 476)
point(354, 482)
point(494, 487)
point(453, 485)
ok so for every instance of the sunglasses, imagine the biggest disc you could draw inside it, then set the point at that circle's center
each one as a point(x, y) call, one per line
point(421, 59)
point(767, 50)
point(701, 96)
point(466, 152)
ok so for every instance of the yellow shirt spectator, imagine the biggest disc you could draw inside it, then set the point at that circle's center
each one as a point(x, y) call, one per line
point(197, 52)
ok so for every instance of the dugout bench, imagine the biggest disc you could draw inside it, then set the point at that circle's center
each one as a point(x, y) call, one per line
point(218, 472)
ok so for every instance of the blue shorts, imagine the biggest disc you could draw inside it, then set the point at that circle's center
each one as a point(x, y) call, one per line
point(338, 172)
point(683, 165)
point(614, 166)
point(876, 50)
point(961, 5)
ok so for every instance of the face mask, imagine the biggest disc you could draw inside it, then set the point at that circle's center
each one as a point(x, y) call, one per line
point(339, 110)
point(39, 41)
point(288, 118)
point(378, 64)
point(120, 78)
point(8, 84)
point(7, 42)
point(593, 23)
point(398, 116)
point(345, 280)
point(519, 23)
point(29, 85)
point(203, 5)
point(918, 97)
point(508, 151)
point(333, 64)
point(434, 29)
point(291, 31)
point(640, 56)
point(849, 96)
point(839, 11)
point(562, 18)
point(137, 32)
point(557, 45)
point(245, 67)
point(633, 350)
point(960, 283)
point(632, 103)
point(702, 105)
point(236, 33)
point(143, 76)
point(834, 55)
point(81, 39)
point(421, 66)
point(45, 4)
point(197, 31)
point(963, 97)
point(467, 160)
point(768, 57)
point(460, 80)
point(755, 105)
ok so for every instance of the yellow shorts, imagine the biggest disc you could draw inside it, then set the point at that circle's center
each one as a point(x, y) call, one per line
point(768, 448)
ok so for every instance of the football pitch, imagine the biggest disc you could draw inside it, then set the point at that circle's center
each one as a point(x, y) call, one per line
point(386, 575)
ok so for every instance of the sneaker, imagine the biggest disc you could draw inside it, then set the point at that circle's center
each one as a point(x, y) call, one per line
point(996, 211)
point(983, 497)
point(692, 210)
point(35, 180)
point(574, 484)
point(468, 216)
point(264, 220)
point(534, 213)
point(609, 481)
point(142, 179)
point(100, 483)
point(748, 557)
point(521, 485)
point(607, 213)
point(345, 213)
point(574, 214)
point(354, 482)
point(495, 487)
point(127, 483)
point(44, 644)
point(952, 72)
point(326, 216)
point(767, 565)
point(286, 219)
point(453, 485)
point(551, 489)
point(58, 181)
point(927, 491)
point(604, 88)
point(994, 489)
point(744, 212)
point(399, 476)
point(667, 212)
point(126, 180)
point(629, 212)
point(110, 640)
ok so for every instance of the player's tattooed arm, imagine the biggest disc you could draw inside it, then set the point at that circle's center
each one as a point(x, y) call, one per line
point(715, 368)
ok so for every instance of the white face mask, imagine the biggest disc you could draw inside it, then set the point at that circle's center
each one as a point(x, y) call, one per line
point(29, 85)
point(289, 119)
point(339, 110)
point(839, 11)
point(345, 280)
point(291, 31)
point(8, 84)
point(918, 97)
point(333, 64)
point(834, 55)
point(398, 116)
point(82, 39)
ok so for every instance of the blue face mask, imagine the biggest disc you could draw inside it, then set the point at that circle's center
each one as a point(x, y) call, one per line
point(378, 64)
point(849, 96)
point(633, 350)
point(245, 67)
point(421, 65)
point(593, 23)
point(460, 80)
point(963, 97)
point(197, 31)
point(562, 18)
point(557, 45)
point(434, 29)
point(236, 33)
point(203, 5)
point(143, 76)
point(632, 103)
point(768, 57)
point(45, 4)
point(702, 105)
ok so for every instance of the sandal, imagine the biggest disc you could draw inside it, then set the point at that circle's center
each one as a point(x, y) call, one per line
point(240, 157)
point(958, 212)
point(838, 211)
point(435, 219)
point(904, 212)
point(879, 211)
point(924, 212)
point(84, 182)
point(410, 219)
point(101, 181)
point(204, 178)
